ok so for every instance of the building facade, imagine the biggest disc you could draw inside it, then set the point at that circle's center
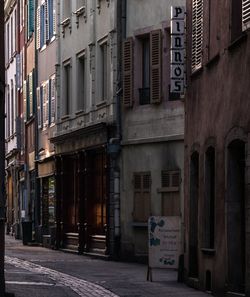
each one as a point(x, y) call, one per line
point(11, 110)
point(152, 126)
point(46, 49)
point(86, 77)
point(217, 147)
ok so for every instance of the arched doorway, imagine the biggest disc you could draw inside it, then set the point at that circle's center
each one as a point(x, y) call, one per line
point(236, 239)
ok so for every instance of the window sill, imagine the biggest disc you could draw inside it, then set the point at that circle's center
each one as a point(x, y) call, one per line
point(208, 251)
point(139, 224)
point(101, 104)
point(196, 73)
point(213, 60)
point(65, 117)
point(79, 112)
point(65, 23)
point(168, 189)
point(235, 43)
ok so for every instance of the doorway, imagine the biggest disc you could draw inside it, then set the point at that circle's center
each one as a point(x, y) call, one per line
point(236, 239)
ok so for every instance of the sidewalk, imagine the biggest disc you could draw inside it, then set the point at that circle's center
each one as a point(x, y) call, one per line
point(31, 278)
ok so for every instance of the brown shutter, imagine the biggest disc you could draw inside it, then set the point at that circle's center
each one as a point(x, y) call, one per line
point(155, 61)
point(197, 34)
point(245, 14)
point(128, 77)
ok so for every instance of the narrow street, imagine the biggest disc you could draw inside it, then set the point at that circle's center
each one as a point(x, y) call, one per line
point(40, 272)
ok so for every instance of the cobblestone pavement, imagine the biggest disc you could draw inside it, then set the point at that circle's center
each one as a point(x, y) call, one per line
point(81, 287)
point(40, 272)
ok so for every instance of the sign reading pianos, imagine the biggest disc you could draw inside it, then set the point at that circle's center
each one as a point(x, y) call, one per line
point(164, 242)
point(177, 51)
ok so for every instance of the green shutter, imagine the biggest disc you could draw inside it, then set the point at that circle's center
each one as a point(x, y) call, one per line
point(31, 10)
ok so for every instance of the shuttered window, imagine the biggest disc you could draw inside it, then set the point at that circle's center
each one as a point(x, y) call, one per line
point(52, 100)
point(25, 100)
point(197, 34)
point(128, 75)
point(142, 194)
point(155, 60)
point(42, 23)
point(245, 14)
point(170, 179)
point(31, 17)
point(38, 105)
point(45, 104)
point(38, 24)
point(46, 22)
point(31, 94)
point(46, 13)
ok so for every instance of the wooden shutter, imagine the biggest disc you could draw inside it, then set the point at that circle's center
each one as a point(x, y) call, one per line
point(155, 63)
point(31, 12)
point(47, 103)
point(128, 75)
point(142, 190)
point(245, 14)
point(46, 18)
point(53, 101)
point(38, 29)
point(170, 180)
point(197, 34)
point(31, 99)
point(54, 17)
point(25, 100)
point(44, 104)
point(38, 105)
point(51, 18)
point(42, 28)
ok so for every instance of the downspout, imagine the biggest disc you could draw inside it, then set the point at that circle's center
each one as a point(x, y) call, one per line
point(115, 143)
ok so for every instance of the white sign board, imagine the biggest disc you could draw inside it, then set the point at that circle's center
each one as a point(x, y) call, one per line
point(164, 242)
point(177, 65)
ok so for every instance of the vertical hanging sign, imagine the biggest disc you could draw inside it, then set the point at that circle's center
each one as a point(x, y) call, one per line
point(177, 51)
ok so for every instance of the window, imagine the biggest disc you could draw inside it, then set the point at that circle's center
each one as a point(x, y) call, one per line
point(66, 9)
point(81, 3)
point(8, 42)
point(104, 71)
point(31, 18)
point(46, 23)
point(213, 43)
point(142, 193)
point(12, 116)
point(11, 36)
point(81, 82)
point(39, 107)
point(209, 202)
point(45, 101)
point(236, 19)
point(151, 49)
point(52, 100)
point(25, 100)
point(145, 90)
point(197, 34)
point(8, 111)
point(128, 74)
point(170, 182)
point(31, 93)
point(148, 67)
point(67, 88)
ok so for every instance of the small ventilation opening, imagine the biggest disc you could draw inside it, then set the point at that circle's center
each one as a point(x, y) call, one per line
point(208, 281)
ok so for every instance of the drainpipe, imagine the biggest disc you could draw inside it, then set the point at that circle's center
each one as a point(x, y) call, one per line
point(115, 143)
